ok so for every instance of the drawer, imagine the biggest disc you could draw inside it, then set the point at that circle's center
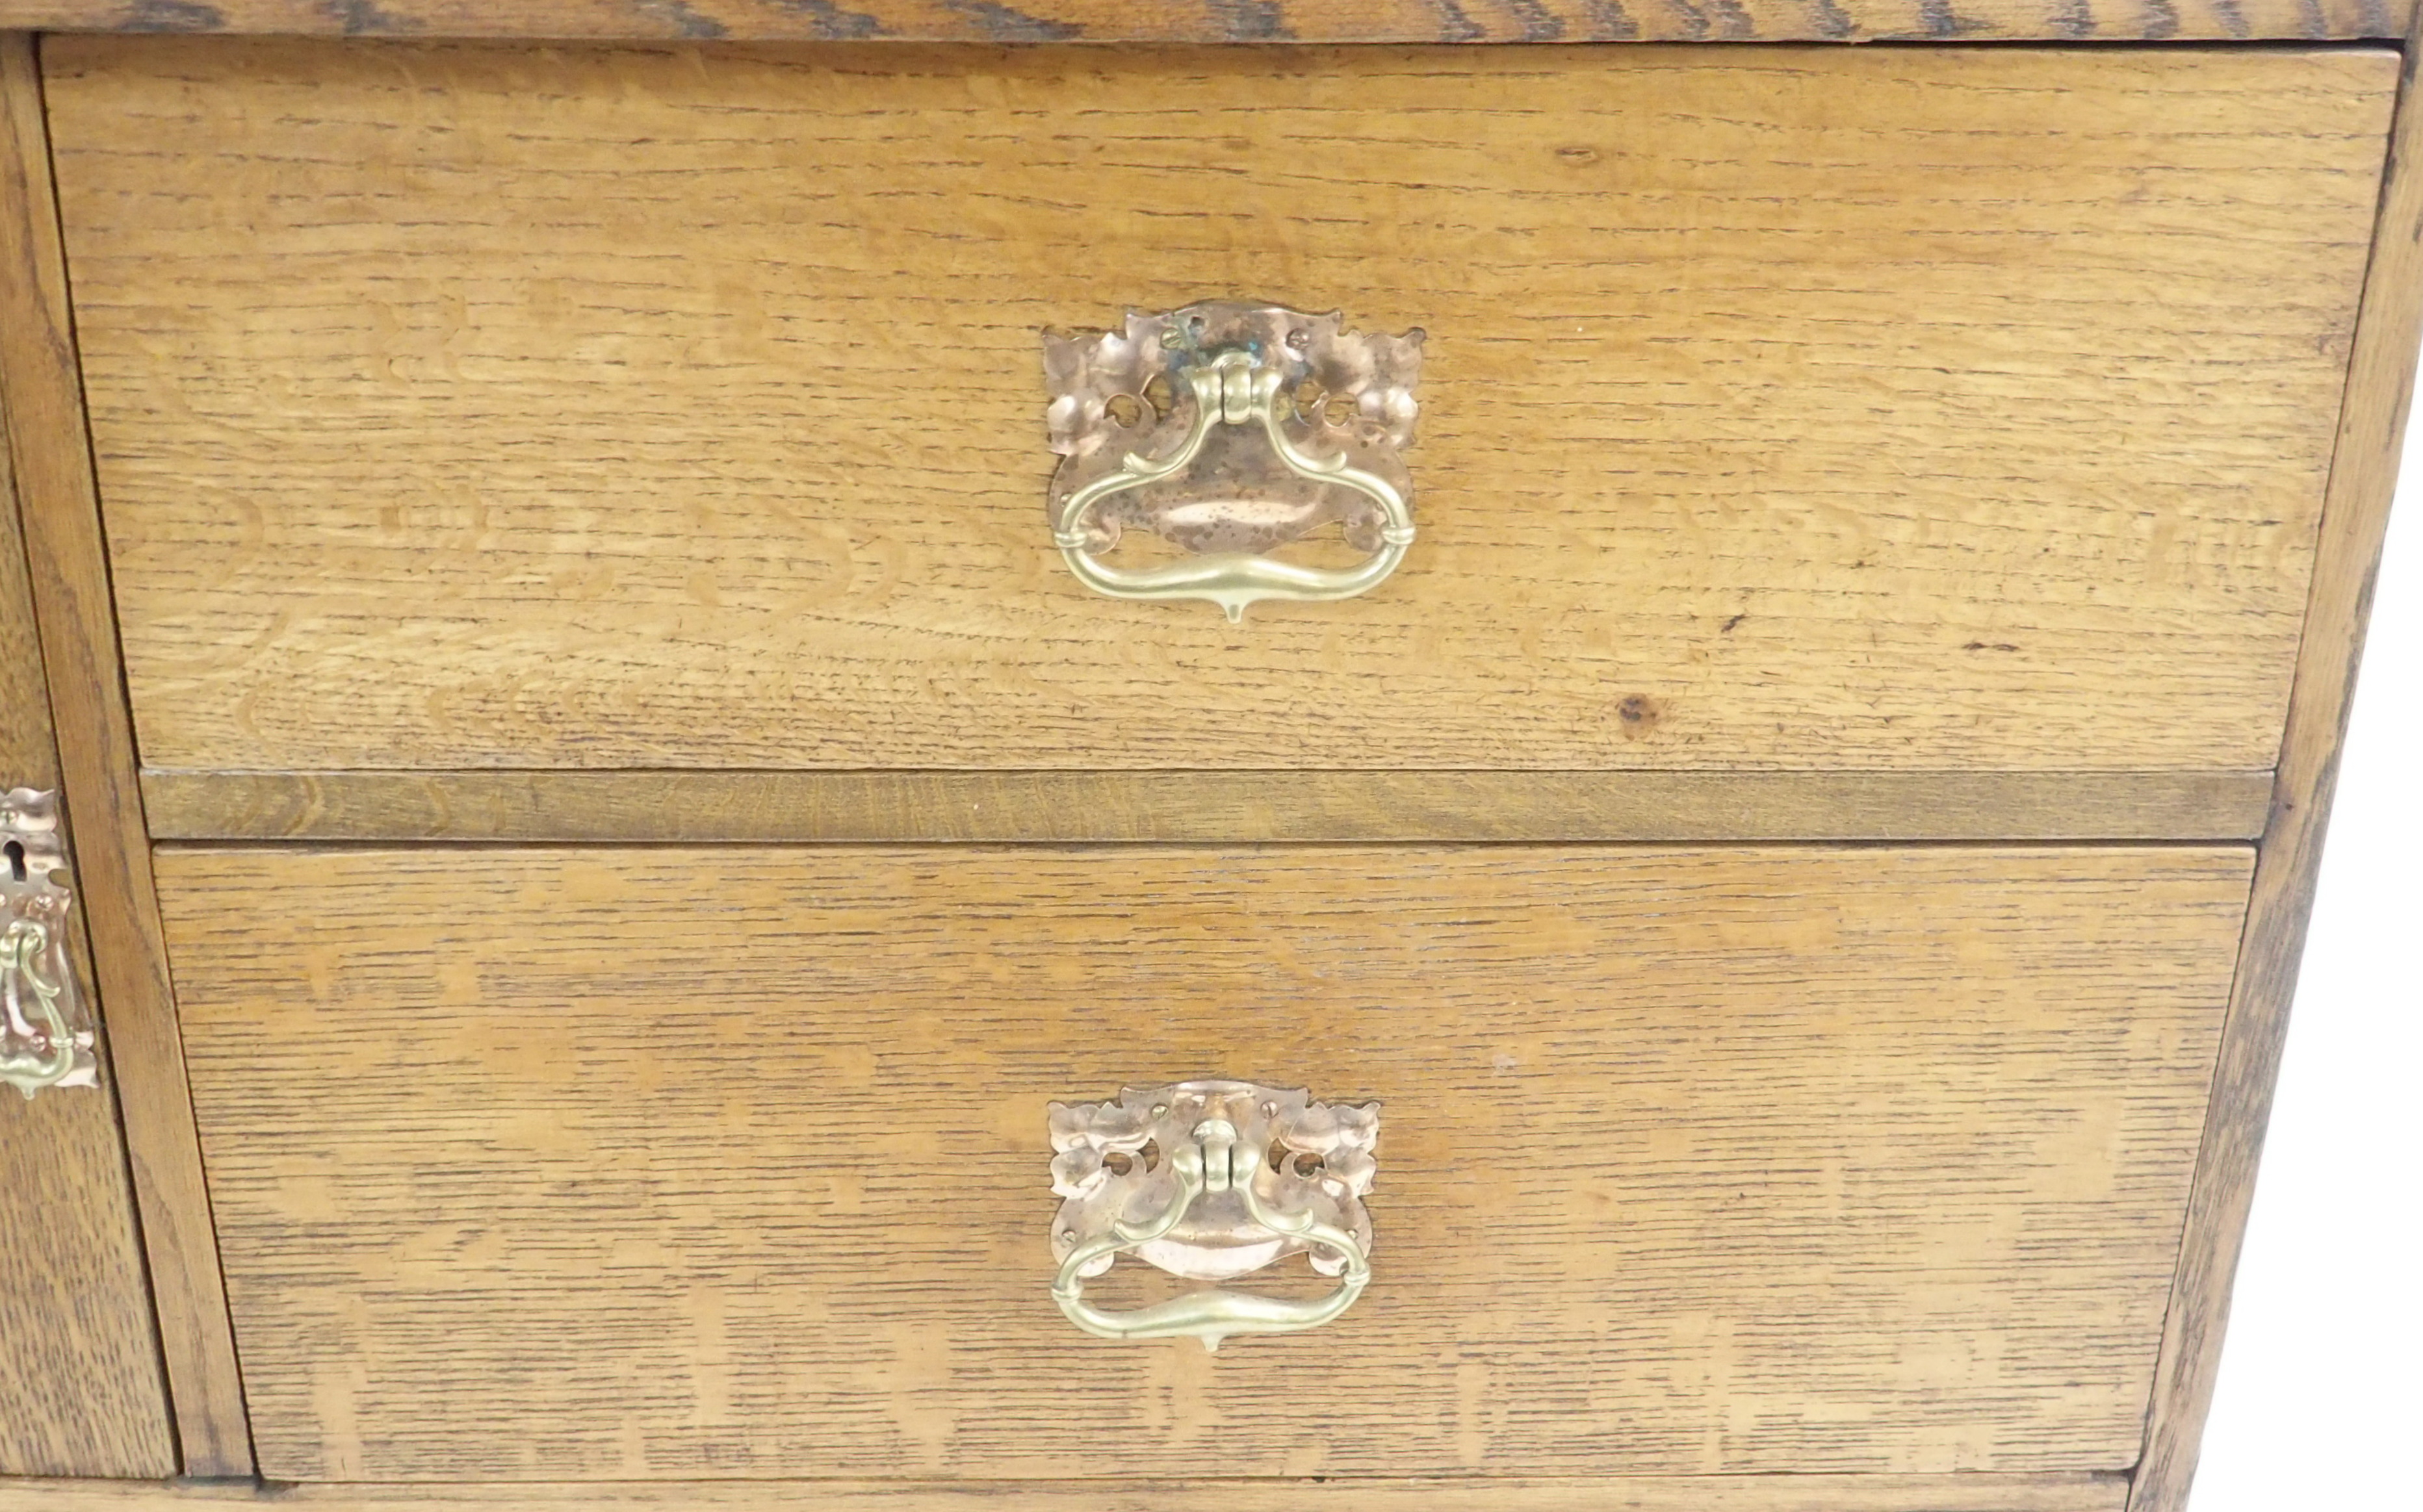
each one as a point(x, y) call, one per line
point(565, 1164)
point(1913, 408)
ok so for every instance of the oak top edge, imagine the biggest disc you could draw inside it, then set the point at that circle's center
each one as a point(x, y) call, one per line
point(1271, 22)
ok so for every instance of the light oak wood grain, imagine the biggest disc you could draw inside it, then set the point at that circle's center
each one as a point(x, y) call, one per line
point(80, 1386)
point(1677, 1493)
point(711, 806)
point(1254, 20)
point(641, 1164)
point(69, 574)
point(27, 756)
point(2363, 478)
point(81, 1391)
point(474, 407)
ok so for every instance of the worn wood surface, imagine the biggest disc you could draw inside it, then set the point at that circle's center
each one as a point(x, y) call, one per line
point(1205, 806)
point(69, 577)
point(2364, 476)
point(1680, 1493)
point(633, 1164)
point(80, 1386)
point(1244, 20)
point(471, 406)
point(81, 1392)
point(28, 757)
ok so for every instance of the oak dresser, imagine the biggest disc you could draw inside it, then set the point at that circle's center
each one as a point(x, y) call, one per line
point(916, 755)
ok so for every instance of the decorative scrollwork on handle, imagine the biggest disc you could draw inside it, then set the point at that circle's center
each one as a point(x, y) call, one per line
point(1231, 429)
point(1208, 1181)
point(45, 1038)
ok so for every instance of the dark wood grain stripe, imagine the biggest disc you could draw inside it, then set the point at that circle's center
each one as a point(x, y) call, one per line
point(706, 806)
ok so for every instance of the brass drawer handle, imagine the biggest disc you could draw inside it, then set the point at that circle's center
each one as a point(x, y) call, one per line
point(1261, 425)
point(1208, 1181)
point(45, 1039)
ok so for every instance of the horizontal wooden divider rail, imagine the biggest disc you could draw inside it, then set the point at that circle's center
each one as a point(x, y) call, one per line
point(696, 806)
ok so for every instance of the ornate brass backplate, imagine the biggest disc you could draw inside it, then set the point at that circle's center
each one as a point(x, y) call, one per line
point(45, 1038)
point(1231, 429)
point(1208, 1181)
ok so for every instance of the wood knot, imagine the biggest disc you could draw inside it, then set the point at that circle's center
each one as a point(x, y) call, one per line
point(1639, 713)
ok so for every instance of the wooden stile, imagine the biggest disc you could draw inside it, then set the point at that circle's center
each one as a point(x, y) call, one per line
point(80, 1386)
point(2356, 518)
point(112, 852)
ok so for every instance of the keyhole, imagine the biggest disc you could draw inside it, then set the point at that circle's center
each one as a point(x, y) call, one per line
point(16, 861)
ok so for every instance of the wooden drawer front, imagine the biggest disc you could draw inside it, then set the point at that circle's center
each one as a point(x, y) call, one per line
point(462, 406)
point(543, 1164)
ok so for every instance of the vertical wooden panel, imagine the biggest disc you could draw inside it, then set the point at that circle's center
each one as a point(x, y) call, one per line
point(80, 1387)
point(2355, 516)
point(69, 574)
